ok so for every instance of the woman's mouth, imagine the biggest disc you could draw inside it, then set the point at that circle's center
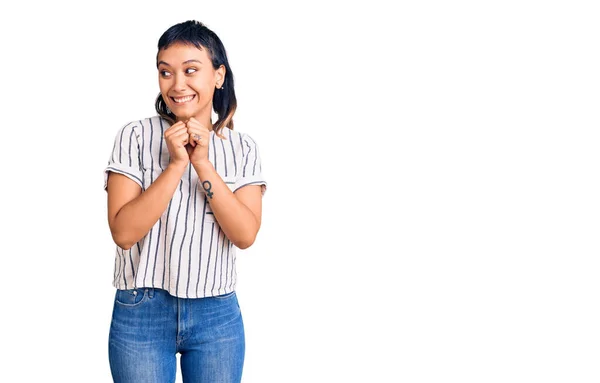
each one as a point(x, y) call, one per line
point(183, 99)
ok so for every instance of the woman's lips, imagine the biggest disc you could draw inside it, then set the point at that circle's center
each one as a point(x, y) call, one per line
point(183, 99)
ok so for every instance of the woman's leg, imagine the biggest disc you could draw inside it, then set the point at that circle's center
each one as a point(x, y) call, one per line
point(212, 344)
point(142, 339)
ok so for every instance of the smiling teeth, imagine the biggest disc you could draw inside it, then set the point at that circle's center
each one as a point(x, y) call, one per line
point(183, 99)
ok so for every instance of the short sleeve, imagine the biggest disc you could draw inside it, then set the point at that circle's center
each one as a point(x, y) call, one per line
point(250, 172)
point(125, 158)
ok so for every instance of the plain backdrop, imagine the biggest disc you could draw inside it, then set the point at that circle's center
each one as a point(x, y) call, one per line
point(433, 204)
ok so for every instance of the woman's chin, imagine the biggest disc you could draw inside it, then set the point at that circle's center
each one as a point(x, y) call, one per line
point(182, 117)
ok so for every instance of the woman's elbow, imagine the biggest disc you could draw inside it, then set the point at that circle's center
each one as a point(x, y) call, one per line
point(245, 242)
point(125, 245)
point(123, 242)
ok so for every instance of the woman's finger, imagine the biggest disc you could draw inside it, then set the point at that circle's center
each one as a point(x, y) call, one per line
point(180, 138)
point(175, 128)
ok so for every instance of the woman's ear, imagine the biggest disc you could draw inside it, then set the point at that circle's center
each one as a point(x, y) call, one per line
point(220, 76)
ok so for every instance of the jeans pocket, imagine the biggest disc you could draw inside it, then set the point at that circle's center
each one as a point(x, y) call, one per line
point(225, 296)
point(132, 297)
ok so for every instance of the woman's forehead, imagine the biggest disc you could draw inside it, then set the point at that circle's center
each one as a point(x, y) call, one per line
point(183, 52)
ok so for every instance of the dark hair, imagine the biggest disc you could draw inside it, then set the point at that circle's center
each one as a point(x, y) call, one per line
point(195, 33)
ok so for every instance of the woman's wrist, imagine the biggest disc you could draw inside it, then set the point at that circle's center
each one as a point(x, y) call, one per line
point(203, 167)
point(177, 166)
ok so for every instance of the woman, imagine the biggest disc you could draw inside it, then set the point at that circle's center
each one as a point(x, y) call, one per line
point(183, 193)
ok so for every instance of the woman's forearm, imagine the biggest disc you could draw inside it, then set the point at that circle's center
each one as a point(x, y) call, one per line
point(137, 217)
point(236, 220)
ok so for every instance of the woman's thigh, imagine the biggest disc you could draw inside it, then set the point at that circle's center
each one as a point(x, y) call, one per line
point(212, 346)
point(142, 339)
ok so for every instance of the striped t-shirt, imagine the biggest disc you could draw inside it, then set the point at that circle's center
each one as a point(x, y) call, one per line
point(185, 252)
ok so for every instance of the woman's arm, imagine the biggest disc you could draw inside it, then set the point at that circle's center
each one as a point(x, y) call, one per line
point(131, 213)
point(239, 214)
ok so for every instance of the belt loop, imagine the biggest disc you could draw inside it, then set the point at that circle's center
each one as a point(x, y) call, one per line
point(150, 292)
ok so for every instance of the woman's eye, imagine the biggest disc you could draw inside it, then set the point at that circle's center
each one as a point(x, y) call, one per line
point(190, 70)
point(164, 73)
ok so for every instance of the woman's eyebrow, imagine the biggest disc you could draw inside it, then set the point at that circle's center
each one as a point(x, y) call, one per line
point(191, 61)
point(185, 62)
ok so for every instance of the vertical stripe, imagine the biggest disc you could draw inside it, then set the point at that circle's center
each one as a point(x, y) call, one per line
point(120, 258)
point(208, 262)
point(255, 159)
point(233, 152)
point(232, 250)
point(162, 135)
point(214, 149)
point(119, 271)
point(166, 243)
point(201, 249)
point(156, 251)
point(129, 150)
point(221, 257)
point(175, 231)
point(216, 259)
point(124, 269)
point(139, 256)
point(131, 263)
point(143, 144)
point(247, 156)
point(233, 258)
point(130, 141)
point(115, 272)
point(242, 146)
point(187, 289)
point(235, 270)
point(141, 151)
point(151, 182)
point(224, 156)
point(151, 156)
point(149, 235)
point(121, 146)
point(255, 155)
point(160, 219)
point(227, 264)
point(187, 209)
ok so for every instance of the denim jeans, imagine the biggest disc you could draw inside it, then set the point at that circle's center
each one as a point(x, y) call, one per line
point(149, 327)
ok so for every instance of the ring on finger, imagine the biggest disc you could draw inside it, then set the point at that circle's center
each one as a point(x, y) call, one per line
point(197, 137)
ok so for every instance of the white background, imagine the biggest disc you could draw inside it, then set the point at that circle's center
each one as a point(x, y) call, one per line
point(433, 204)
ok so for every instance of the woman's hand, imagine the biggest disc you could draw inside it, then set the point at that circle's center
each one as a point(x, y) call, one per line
point(198, 136)
point(177, 137)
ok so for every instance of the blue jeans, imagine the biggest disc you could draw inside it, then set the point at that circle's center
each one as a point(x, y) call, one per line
point(149, 327)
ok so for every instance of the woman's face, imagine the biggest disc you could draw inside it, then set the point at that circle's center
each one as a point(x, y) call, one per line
point(187, 81)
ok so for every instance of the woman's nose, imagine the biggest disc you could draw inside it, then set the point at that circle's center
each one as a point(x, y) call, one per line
point(179, 82)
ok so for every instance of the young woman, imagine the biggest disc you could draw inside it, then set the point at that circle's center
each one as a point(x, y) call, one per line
point(183, 193)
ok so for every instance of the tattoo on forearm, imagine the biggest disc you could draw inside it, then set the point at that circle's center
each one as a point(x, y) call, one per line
point(207, 185)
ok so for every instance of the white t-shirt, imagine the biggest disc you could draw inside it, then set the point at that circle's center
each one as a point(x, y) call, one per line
point(185, 252)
